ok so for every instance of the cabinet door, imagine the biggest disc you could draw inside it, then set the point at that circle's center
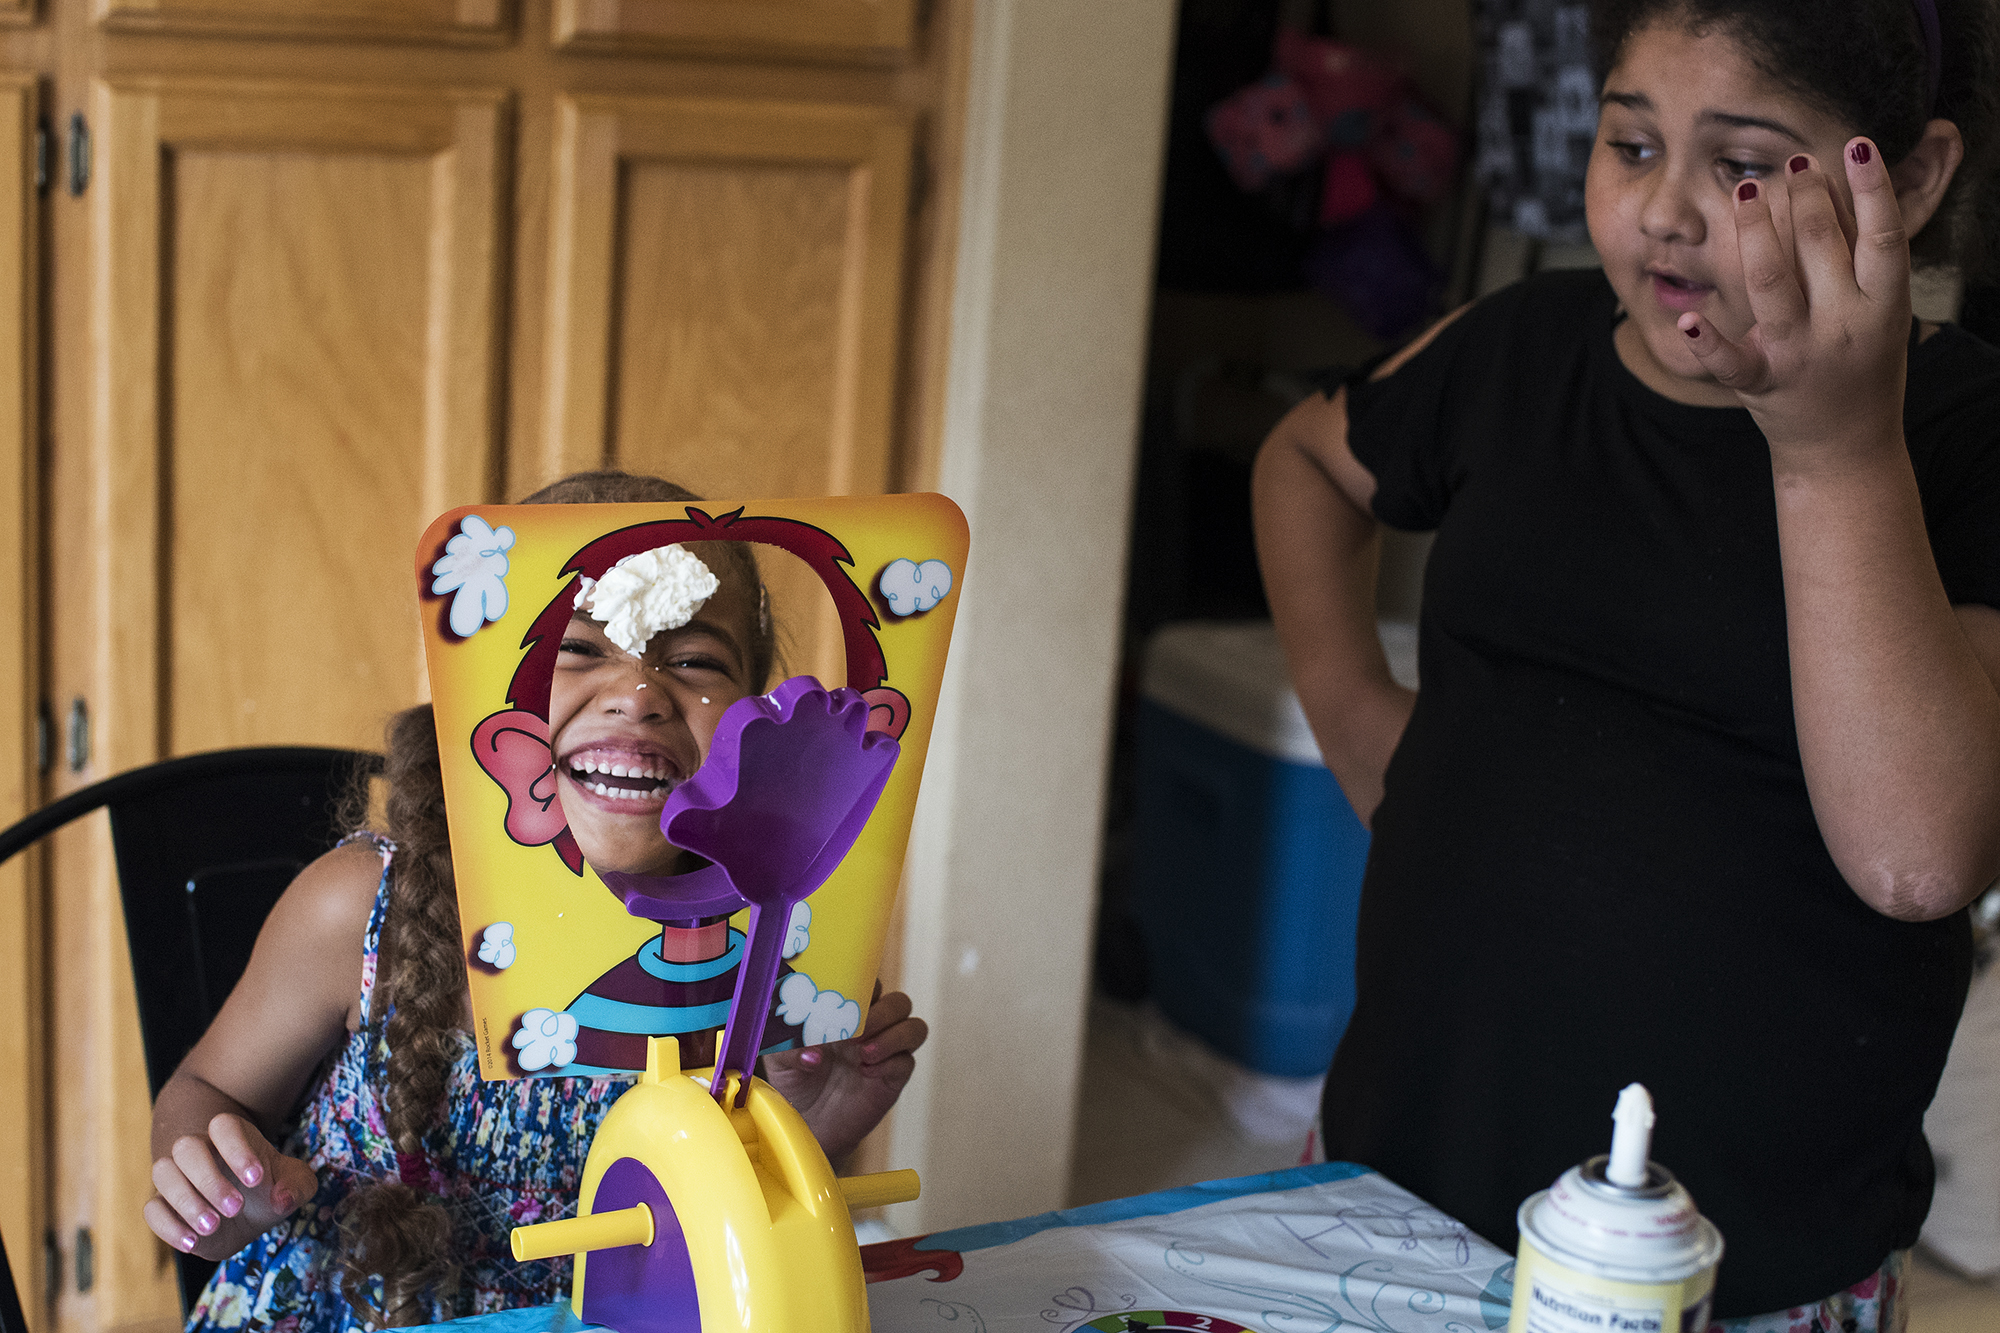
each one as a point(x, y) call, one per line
point(870, 30)
point(22, 1067)
point(480, 22)
point(292, 368)
point(295, 370)
point(725, 297)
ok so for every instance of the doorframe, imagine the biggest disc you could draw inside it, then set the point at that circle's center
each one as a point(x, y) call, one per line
point(1059, 196)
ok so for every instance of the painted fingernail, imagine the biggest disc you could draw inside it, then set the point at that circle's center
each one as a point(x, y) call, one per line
point(232, 1205)
point(810, 1057)
point(1692, 330)
point(1746, 192)
point(205, 1223)
point(1798, 164)
point(252, 1174)
point(186, 1244)
point(281, 1200)
point(1860, 153)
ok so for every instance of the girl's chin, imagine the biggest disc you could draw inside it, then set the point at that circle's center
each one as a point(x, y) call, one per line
point(617, 833)
point(628, 856)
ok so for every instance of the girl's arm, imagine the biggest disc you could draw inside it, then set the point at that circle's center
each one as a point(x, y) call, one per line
point(1893, 687)
point(1898, 718)
point(220, 1182)
point(1319, 546)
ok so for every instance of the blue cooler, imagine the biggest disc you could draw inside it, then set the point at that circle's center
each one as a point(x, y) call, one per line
point(1247, 869)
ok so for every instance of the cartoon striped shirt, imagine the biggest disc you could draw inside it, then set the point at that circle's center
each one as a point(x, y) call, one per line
point(647, 996)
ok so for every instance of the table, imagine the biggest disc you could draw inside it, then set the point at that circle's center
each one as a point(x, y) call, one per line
point(1332, 1246)
point(1315, 1248)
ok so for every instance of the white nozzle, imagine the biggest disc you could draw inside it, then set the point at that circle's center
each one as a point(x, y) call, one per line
point(1631, 1136)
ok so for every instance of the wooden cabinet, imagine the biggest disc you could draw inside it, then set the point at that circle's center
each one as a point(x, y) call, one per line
point(23, 1056)
point(292, 321)
point(789, 217)
point(336, 266)
point(481, 22)
point(874, 30)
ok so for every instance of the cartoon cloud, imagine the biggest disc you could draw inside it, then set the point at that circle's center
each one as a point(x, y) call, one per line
point(826, 1015)
point(909, 587)
point(474, 569)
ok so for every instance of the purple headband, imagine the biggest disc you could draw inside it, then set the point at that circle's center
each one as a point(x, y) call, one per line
point(1927, 19)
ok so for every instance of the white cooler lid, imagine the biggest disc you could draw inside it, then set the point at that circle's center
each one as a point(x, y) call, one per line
point(1229, 676)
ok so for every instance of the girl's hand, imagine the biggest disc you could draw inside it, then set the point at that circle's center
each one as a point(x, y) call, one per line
point(843, 1089)
point(1822, 369)
point(218, 1192)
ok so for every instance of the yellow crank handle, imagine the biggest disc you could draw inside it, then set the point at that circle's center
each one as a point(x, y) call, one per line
point(579, 1235)
point(878, 1188)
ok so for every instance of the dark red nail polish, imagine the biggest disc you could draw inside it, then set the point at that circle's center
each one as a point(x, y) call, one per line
point(1860, 154)
point(1798, 164)
point(1746, 191)
point(1694, 332)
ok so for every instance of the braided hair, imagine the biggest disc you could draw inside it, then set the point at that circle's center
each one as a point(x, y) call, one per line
point(395, 1230)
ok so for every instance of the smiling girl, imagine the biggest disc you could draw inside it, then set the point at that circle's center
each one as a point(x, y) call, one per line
point(391, 1199)
point(626, 726)
point(1705, 765)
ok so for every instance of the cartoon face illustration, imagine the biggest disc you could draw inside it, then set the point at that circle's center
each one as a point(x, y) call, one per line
point(642, 654)
point(607, 648)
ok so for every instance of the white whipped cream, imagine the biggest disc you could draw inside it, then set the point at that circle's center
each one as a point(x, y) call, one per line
point(646, 593)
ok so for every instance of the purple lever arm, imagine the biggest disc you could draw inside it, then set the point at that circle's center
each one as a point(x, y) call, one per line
point(790, 781)
point(788, 785)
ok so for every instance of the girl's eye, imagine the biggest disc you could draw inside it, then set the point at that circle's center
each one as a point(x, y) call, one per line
point(696, 662)
point(1736, 170)
point(582, 647)
point(1633, 152)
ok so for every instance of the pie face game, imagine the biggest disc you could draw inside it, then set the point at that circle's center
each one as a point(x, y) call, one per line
point(520, 602)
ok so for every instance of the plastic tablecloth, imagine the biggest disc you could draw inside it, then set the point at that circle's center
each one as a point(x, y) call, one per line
point(1310, 1250)
point(1332, 1246)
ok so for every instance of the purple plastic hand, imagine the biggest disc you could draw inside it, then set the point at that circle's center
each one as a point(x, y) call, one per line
point(790, 780)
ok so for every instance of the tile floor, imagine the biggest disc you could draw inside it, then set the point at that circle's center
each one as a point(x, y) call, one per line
point(1160, 1109)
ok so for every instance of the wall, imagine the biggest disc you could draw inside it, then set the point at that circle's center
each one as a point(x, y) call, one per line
point(1065, 122)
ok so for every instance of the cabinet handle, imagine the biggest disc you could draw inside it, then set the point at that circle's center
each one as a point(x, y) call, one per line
point(79, 736)
point(79, 153)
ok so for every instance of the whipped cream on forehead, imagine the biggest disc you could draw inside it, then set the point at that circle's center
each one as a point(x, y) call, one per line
point(646, 593)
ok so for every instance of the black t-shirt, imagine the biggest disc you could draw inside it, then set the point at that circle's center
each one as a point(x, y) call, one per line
point(1595, 861)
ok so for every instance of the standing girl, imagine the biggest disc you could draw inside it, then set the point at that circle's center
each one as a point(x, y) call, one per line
point(1706, 761)
point(392, 1200)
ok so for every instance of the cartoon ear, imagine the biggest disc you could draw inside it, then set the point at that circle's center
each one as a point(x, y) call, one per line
point(513, 748)
point(888, 711)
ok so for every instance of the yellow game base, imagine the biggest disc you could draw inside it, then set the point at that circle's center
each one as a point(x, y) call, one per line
point(767, 1224)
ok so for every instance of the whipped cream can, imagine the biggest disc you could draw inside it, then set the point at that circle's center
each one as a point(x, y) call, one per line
point(1615, 1246)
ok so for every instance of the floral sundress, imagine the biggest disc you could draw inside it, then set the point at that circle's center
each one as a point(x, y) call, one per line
point(507, 1154)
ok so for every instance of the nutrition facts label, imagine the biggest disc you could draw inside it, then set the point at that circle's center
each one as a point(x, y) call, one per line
point(1555, 1309)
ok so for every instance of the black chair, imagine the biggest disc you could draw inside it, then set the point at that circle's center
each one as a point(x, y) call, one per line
point(11, 1318)
point(204, 845)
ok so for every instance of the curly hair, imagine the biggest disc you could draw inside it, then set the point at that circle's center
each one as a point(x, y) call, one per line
point(1863, 63)
point(392, 1229)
